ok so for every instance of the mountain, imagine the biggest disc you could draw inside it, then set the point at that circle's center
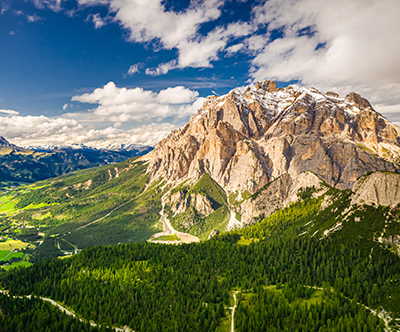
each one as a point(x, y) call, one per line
point(284, 139)
point(138, 148)
point(20, 165)
point(246, 139)
point(292, 193)
point(240, 159)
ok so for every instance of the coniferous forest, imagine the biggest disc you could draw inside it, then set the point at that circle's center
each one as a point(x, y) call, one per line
point(283, 281)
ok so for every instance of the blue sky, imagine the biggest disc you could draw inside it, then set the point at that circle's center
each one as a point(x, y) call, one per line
point(113, 71)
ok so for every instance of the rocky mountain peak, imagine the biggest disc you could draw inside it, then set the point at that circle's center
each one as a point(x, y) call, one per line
point(360, 102)
point(250, 136)
point(4, 142)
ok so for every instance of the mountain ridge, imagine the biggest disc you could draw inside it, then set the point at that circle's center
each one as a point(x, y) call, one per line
point(246, 139)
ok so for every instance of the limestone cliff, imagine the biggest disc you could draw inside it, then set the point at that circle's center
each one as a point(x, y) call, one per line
point(379, 188)
point(249, 137)
point(180, 202)
point(278, 194)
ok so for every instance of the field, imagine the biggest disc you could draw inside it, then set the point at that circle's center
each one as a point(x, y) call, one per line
point(7, 255)
point(101, 206)
point(16, 244)
point(16, 264)
point(7, 204)
point(16, 258)
point(172, 237)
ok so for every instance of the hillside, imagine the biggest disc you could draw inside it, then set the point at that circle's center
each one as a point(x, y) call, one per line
point(292, 193)
point(286, 276)
point(244, 156)
point(21, 166)
point(101, 206)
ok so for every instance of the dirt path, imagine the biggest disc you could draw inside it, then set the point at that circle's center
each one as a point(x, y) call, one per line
point(169, 230)
point(8, 253)
point(93, 222)
point(233, 311)
point(68, 312)
point(384, 315)
point(233, 222)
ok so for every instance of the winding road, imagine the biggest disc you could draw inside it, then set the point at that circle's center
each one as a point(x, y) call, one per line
point(97, 220)
point(68, 312)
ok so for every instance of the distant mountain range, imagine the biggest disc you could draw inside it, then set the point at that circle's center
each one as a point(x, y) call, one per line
point(79, 146)
point(19, 165)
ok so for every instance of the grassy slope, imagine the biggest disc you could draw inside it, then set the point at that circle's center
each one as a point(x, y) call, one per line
point(58, 207)
point(19, 166)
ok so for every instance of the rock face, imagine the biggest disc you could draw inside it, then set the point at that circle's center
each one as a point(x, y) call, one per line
point(4, 142)
point(380, 188)
point(393, 240)
point(180, 202)
point(213, 233)
point(277, 194)
point(246, 139)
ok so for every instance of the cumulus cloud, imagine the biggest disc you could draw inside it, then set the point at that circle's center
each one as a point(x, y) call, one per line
point(348, 45)
point(36, 127)
point(39, 130)
point(131, 115)
point(139, 105)
point(175, 30)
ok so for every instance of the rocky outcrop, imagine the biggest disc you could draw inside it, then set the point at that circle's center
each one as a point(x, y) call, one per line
point(214, 232)
point(201, 203)
point(278, 194)
point(380, 188)
point(393, 240)
point(179, 202)
point(246, 139)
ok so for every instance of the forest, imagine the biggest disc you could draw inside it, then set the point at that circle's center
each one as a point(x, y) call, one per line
point(153, 287)
point(35, 315)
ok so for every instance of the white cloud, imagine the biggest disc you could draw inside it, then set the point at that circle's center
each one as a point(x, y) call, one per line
point(234, 49)
point(134, 68)
point(33, 18)
point(65, 107)
point(354, 45)
point(162, 68)
point(257, 42)
point(10, 112)
point(39, 130)
point(177, 95)
point(97, 20)
point(36, 127)
point(138, 105)
point(55, 5)
point(148, 21)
